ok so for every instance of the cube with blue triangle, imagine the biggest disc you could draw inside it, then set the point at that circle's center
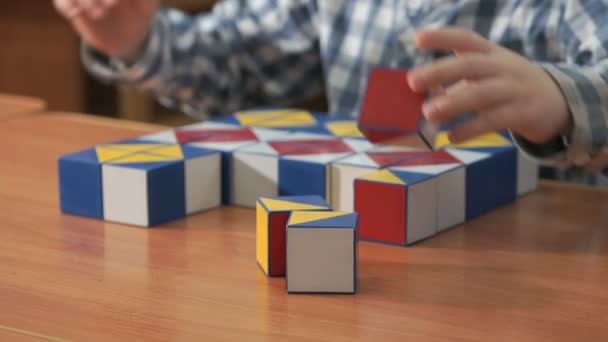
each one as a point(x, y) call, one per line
point(272, 214)
point(217, 136)
point(294, 166)
point(139, 183)
point(491, 171)
point(322, 252)
point(396, 207)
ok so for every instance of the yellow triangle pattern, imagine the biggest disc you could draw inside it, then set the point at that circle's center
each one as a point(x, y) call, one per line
point(173, 151)
point(486, 140)
point(383, 176)
point(143, 158)
point(276, 118)
point(344, 129)
point(131, 147)
point(298, 217)
point(104, 154)
point(280, 205)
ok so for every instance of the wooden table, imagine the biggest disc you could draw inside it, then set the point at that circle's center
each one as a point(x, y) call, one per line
point(13, 105)
point(536, 270)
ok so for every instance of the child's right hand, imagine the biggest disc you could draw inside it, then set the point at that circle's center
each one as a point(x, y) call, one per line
point(116, 27)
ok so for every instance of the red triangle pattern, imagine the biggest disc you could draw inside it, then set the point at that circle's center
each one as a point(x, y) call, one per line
point(310, 146)
point(215, 135)
point(430, 158)
point(384, 159)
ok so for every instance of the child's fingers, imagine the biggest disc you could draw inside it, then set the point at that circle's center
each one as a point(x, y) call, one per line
point(466, 97)
point(450, 70)
point(453, 39)
point(486, 122)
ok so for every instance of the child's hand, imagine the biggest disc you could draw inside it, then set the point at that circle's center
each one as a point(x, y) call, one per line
point(115, 27)
point(507, 91)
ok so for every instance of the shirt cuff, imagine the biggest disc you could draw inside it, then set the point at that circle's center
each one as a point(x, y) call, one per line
point(579, 147)
point(145, 65)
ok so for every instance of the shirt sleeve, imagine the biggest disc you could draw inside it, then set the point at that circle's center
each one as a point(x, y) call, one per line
point(583, 80)
point(243, 53)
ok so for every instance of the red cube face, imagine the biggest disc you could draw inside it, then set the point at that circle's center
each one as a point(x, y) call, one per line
point(390, 109)
point(382, 211)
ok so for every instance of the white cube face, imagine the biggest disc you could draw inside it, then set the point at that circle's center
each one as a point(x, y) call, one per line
point(451, 200)
point(203, 183)
point(342, 185)
point(125, 195)
point(253, 176)
point(321, 260)
point(527, 174)
point(421, 210)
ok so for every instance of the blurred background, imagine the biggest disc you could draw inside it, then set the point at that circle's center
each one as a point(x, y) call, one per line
point(40, 57)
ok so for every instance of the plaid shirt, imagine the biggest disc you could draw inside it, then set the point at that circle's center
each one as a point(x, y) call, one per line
point(247, 53)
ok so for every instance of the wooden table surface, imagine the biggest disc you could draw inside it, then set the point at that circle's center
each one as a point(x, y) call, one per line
point(536, 270)
point(14, 105)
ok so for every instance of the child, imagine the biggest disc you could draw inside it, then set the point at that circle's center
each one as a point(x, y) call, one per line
point(538, 68)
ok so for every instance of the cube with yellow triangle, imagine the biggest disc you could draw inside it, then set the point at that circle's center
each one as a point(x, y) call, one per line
point(491, 171)
point(322, 252)
point(139, 183)
point(272, 214)
point(396, 207)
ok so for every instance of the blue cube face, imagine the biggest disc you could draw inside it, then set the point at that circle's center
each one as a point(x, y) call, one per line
point(80, 184)
point(298, 178)
point(166, 194)
point(491, 182)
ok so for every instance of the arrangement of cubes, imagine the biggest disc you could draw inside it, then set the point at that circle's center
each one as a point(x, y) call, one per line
point(139, 183)
point(295, 165)
point(318, 183)
point(303, 239)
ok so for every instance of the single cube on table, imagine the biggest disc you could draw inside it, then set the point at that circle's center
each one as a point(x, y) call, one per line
point(322, 252)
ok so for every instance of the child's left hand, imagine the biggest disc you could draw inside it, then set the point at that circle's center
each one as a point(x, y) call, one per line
point(507, 90)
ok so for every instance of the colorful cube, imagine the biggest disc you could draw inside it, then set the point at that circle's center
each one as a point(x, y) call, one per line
point(322, 252)
point(288, 167)
point(139, 183)
point(391, 109)
point(491, 171)
point(450, 177)
point(346, 170)
point(271, 221)
point(396, 207)
point(216, 136)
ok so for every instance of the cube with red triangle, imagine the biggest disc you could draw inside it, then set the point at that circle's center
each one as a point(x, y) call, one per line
point(322, 252)
point(396, 207)
point(346, 170)
point(272, 214)
point(216, 136)
point(391, 109)
point(295, 165)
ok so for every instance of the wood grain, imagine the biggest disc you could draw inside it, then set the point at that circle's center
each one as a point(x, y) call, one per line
point(535, 270)
point(14, 105)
